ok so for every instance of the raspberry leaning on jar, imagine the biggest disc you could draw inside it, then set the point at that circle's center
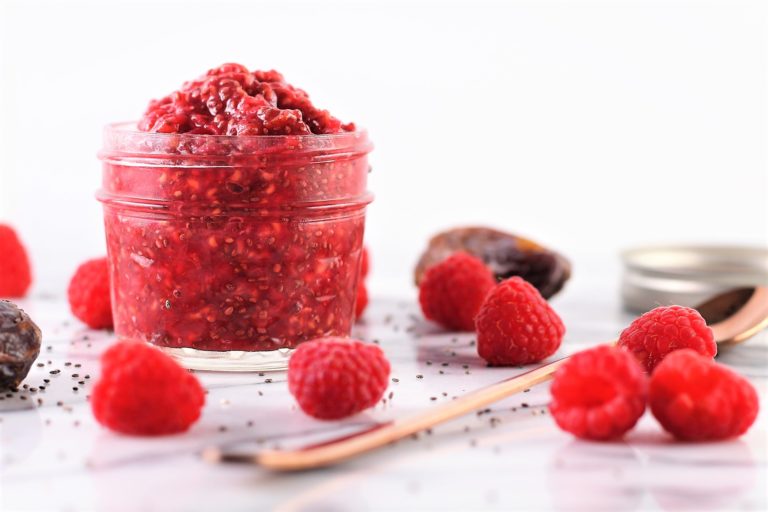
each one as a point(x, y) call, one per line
point(89, 294)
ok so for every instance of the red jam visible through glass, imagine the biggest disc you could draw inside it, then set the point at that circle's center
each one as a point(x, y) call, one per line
point(234, 242)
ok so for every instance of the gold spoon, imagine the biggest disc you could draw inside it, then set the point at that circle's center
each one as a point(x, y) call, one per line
point(734, 317)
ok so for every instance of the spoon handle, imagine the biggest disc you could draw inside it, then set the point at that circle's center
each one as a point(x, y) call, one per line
point(334, 451)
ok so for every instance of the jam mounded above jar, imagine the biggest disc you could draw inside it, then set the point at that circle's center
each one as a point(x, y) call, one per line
point(230, 100)
point(223, 236)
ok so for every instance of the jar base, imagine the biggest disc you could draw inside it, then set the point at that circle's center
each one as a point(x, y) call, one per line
point(230, 361)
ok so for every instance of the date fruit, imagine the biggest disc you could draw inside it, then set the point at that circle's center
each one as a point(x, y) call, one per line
point(505, 254)
point(19, 344)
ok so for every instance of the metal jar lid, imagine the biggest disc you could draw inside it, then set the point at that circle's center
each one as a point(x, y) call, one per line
point(688, 275)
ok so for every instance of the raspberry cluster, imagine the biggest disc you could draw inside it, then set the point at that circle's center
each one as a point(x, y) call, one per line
point(601, 393)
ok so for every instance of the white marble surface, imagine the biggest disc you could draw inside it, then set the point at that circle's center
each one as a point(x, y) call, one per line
point(55, 457)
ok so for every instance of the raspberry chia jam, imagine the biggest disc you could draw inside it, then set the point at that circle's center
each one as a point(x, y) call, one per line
point(234, 215)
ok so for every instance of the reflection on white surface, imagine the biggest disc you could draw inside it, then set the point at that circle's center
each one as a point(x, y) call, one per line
point(511, 457)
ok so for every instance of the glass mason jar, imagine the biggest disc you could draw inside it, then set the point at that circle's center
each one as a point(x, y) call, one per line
point(225, 251)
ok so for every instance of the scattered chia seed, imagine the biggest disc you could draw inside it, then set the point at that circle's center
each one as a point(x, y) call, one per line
point(40, 365)
point(419, 376)
point(67, 364)
point(395, 380)
point(54, 372)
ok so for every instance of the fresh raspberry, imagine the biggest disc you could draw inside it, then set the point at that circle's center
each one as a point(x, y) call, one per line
point(15, 274)
point(662, 330)
point(365, 263)
point(696, 399)
point(89, 294)
point(599, 393)
point(361, 302)
point(333, 378)
point(452, 291)
point(515, 325)
point(144, 392)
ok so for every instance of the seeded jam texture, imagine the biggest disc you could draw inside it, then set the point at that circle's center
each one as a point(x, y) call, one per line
point(230, 100)
point(234, 243)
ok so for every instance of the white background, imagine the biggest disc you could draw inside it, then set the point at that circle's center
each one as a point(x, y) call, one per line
point(589, 126)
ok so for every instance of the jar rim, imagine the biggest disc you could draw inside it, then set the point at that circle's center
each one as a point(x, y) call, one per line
point(123, 138)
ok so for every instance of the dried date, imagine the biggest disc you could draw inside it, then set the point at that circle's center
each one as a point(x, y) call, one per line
point(505, 254)
point(20, 342)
